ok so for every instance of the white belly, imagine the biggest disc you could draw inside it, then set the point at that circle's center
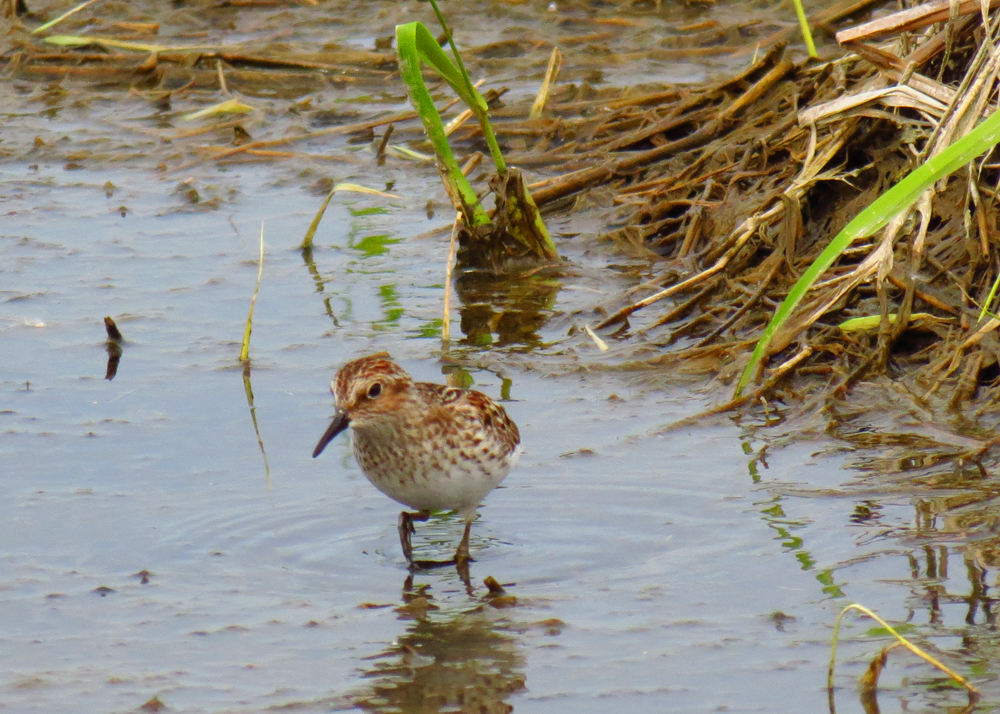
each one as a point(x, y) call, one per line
point(432, 479)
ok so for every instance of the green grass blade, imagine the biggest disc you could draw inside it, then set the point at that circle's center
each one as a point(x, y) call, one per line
point(481, 110)
point(454, 50)
point(230, 106)
point(804, 25)
point(416, 36)
point(882, 210)
point(989, 300)
point(52, 23)
point(307, 241)
point(245, 350)
point(413, 44)
point(899, 638)
point(870, 322)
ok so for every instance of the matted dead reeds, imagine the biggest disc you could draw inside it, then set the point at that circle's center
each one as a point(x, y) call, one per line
point(740, 186)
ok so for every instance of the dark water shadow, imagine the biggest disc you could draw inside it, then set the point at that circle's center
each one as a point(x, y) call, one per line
point(505, 310)
point(114, 346)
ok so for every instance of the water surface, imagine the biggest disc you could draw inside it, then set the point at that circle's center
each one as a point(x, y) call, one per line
point(150, 551)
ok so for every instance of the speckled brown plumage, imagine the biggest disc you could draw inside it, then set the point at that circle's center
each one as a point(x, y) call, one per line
point(427, 446)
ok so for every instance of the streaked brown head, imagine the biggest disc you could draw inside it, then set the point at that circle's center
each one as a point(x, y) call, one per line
point(366, 390)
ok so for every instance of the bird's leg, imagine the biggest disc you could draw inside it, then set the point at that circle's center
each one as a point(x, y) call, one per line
point(462, 554)
point(462, 559)
point(406, 528)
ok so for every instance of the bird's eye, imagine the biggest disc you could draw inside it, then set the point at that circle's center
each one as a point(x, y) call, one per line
point(374, 390)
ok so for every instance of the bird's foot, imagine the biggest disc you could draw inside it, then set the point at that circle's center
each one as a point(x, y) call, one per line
point(460, 561)
point(429, 564)
point(406, 528)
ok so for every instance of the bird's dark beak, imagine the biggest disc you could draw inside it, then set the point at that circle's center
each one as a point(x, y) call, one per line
point(339, 423)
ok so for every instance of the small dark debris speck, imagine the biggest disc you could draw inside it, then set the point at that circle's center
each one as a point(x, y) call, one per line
point(578, 452)
point(153, 705)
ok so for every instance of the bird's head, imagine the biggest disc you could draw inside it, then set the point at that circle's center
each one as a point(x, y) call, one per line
point(367, 392)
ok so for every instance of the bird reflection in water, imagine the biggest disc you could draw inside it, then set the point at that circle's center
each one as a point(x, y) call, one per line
point(445, 661)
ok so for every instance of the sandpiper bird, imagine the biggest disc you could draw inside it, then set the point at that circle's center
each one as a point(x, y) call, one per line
point(429, 447)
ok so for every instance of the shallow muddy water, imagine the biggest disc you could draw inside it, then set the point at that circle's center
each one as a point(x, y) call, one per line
point(152, 553)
